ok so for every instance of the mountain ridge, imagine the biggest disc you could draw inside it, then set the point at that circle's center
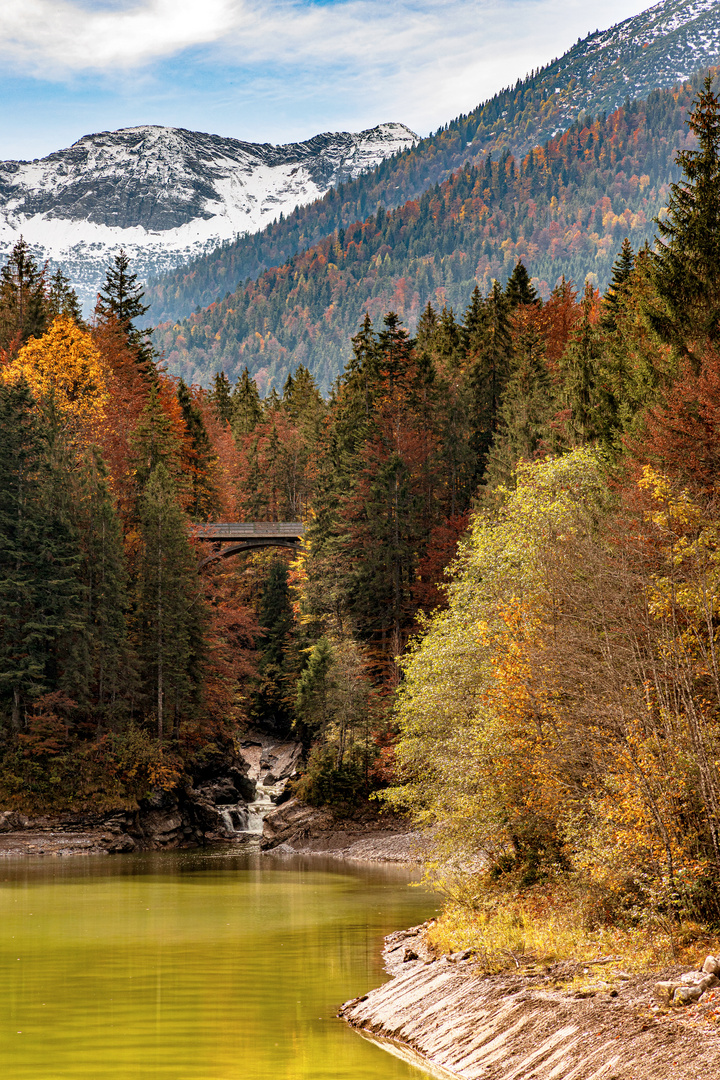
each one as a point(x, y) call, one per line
point(595, 75)
point(164, 193)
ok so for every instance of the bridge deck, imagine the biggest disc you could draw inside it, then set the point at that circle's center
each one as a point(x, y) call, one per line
point(227, 531)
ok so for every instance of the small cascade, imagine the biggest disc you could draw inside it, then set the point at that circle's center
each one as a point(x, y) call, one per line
point(247, 820)
point(235, 818)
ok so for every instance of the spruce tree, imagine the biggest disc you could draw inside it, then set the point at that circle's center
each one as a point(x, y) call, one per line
point(168, 612)
point(685, 269)
point(121, 299)
point(23, 460)
point(23, 311)
point(199, 460)
point(275, 615)
point(62, 299)
point(221, 397)
point(520, 289)
point(246, 407)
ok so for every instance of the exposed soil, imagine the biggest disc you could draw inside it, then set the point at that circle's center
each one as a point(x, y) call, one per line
point(529, 1025)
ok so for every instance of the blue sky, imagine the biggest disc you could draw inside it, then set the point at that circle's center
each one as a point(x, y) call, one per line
point(268, 70)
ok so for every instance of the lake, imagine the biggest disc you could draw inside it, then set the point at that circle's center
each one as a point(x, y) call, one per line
point(194, 966)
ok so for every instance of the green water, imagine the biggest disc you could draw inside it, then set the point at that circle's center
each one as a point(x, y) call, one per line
point(190, 966)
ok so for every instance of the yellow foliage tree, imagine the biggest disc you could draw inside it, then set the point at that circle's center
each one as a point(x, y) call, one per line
point(65, 369)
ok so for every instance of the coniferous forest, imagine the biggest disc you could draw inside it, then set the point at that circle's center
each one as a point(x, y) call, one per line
point(503, 618)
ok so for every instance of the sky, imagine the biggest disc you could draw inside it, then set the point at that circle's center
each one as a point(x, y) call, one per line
point(268, 70)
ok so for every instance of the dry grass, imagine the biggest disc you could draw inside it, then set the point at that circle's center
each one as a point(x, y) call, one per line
point(544, 925)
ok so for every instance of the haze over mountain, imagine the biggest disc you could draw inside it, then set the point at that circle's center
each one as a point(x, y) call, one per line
point(167, 195)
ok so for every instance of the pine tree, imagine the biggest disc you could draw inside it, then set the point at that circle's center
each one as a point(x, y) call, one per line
point(685, 269)
point(23, 457)
point(199, 460)
point(246, 407)
point(62, 300)
point(169, 613)
point(520, 289)
point(221, 397)
point(121, 299)
point(23, 312)
point(275, 615)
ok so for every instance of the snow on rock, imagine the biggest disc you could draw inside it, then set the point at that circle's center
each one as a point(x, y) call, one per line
point(168, 195)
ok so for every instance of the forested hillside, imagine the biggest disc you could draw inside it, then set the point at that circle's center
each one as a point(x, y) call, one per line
point(665, 44)
point(563, 209)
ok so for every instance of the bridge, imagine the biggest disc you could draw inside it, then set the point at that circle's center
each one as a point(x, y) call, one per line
point(248, 536)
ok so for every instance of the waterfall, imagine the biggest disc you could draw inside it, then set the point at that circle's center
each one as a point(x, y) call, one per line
point(248, 820)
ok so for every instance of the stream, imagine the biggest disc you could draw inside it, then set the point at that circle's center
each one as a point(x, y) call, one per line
point(194, 966)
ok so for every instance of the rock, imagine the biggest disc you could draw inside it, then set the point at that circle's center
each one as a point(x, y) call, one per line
point(691, 978)
point(410, 954)
point(711, 966)
point(160, 823)
point(664, 991)
point(121, 844)
point(11, 820)
point(222, 792)
point(687, 995)
point(269, 779)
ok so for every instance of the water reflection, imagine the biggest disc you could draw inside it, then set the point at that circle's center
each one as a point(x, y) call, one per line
point(194, 966)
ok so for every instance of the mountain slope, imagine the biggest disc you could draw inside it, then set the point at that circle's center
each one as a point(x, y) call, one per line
point(167, 194)
point(663, 45)
point(564, 209)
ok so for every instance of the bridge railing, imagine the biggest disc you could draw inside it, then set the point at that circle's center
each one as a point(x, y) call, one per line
point(248, 530)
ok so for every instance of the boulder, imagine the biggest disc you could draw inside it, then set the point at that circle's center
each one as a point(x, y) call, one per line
point(664, 991)
point(11, 820)
point(711, 966)
point(222, 792)
point(687, 995)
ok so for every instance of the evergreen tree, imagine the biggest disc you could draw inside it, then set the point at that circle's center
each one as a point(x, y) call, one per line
point(121, 299)
point(155, 441)
point(246, 407)
point(311, 701)
point(23, 456)
point(520, 289)
point(275, 614)
point(489, 343)
point(221, 397)
point(169, 614)
point(62, 300)
point(199, 460)
point(621, 273)
point(106, 594)
point(526, 411)
point(23, 311)
point(685, 269)
point(584, 388)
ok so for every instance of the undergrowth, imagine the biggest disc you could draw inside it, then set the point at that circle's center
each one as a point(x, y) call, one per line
point(562, 921)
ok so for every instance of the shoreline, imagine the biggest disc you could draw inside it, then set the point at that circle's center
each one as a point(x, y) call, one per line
point(448, 1018)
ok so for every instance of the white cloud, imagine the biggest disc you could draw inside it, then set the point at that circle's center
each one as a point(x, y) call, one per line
point(57, 37)
point(268, 69)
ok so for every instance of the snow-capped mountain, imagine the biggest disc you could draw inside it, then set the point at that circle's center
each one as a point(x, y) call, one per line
point(167, 195)
point(664, 44)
